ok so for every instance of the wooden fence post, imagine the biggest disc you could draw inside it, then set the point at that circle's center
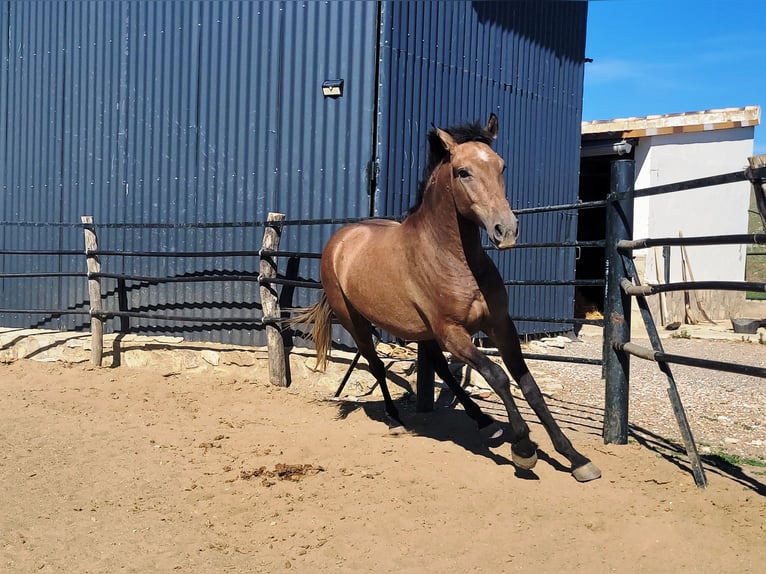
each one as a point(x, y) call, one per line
point(270, 301)
point(94, 291)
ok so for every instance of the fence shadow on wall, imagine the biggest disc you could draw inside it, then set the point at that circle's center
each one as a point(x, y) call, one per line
point(199, 291)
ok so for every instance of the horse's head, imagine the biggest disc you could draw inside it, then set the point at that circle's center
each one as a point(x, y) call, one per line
point(478, 188)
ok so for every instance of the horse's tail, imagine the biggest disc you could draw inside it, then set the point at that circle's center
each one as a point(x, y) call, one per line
point(319, 316)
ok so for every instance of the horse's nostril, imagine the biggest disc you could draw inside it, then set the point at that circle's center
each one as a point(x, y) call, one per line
point(499, 231)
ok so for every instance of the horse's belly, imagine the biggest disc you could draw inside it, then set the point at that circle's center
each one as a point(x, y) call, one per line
point(396, 316)
point(386, 303)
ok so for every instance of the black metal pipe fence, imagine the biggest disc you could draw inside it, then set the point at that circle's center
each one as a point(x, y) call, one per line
point(623, 284)
point(102, 254)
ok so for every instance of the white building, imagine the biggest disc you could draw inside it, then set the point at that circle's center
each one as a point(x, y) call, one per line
point(678, 147)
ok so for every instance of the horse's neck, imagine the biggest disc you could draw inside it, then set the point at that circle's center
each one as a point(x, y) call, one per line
point(470, 236)
point(439, 223)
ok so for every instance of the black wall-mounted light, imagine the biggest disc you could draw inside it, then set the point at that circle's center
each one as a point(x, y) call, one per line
point(332, 88)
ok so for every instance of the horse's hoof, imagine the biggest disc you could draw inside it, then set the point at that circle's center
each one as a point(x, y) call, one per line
point(492, 434)
point(524, 463)
point(586, 472)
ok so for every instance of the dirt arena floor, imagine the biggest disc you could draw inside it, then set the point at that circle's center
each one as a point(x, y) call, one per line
point(150, 470)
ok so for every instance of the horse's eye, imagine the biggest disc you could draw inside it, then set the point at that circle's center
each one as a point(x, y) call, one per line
point(463, 173)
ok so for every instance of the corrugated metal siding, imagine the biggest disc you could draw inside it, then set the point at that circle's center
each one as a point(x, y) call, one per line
point(30, 134)
point(449, 62)
point(180, 112)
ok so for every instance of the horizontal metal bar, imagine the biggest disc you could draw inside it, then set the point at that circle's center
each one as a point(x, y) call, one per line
point(278, 253)
point(37, 224)
point(597, 322)
point(191, 225)
point(235, 224)
point(46, 274)
point(540, 357)
point(44, 311)
point(738, 239)
point(562, 207)
point(637, 351)
point(171, 254)
point(180, 318)
point(337, 221)
point(575, 282)
point(571, 244)
point(662, 357)
point(721, 179)
point(180, 279)
point(41, 252)
point(631, 289)
point(194, 225)
point(563, 359)
point(291, 282)
point(210, 278)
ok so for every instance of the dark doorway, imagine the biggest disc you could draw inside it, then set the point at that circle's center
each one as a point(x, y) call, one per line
point(595, 170)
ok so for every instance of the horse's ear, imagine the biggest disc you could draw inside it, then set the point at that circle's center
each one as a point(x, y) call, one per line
point(446, 140)
point(492, 126)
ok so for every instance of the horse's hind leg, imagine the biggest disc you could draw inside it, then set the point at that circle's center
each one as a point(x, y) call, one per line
point(507, 341)
point(362, 332)
point(490, 431)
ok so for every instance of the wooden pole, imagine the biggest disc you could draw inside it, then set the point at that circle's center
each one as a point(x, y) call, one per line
point(687, 267)
point(270, 301)
point(690, 313)
point(94, 291)
point(664, 315)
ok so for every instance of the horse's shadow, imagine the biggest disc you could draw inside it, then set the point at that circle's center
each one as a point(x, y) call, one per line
point(449, 423)
point(446, 424)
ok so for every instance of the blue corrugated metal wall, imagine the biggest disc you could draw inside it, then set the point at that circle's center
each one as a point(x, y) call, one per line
point(448, 62)
point(181, 112)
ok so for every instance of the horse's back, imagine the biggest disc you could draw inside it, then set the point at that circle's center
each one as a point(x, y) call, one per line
point(357, 241)
point(359, 249)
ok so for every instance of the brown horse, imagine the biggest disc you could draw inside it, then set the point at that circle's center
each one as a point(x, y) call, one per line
point(428, 279)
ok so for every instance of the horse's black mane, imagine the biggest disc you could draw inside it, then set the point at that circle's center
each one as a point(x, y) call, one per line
point(469, 132)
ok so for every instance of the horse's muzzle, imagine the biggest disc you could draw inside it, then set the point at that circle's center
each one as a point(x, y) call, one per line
point(503, 235)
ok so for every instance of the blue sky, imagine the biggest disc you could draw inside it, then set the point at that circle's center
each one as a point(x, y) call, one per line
point(663, 57)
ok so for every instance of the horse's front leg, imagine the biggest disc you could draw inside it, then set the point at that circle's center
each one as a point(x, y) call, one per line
point(490, 431)
point(506, 339)
point(457, 341)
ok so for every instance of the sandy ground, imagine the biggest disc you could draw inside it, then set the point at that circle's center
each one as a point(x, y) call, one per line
point(131, 470)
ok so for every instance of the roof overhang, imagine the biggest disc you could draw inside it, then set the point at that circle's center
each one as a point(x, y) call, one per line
point(687, 122)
